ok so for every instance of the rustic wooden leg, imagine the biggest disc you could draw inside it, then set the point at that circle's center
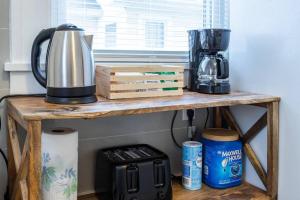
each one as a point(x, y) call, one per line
point(14, 152)
point(273, 143)
point(19, 190)
point(18, 163)
point(255, 129)
point(34, 172)
point(217, 117)
point(11, 166)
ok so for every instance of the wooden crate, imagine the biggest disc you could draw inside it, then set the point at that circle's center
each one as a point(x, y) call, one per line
point(119, 82)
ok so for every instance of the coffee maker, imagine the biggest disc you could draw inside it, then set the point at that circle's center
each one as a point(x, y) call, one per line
point(209, 69)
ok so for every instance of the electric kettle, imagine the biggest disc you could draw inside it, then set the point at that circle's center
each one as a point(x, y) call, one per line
point(69, 67)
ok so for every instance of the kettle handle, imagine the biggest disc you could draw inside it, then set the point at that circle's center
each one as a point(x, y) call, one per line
point(36, 52)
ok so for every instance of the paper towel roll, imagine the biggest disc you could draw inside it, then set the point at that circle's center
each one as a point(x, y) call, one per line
point(59, 164)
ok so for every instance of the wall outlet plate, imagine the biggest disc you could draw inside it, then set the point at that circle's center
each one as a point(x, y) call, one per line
point(185, 117)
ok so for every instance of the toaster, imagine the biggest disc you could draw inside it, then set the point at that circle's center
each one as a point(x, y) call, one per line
point(135, 172)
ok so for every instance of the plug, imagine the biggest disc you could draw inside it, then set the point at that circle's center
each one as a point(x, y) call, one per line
point(185, 115)
point(190, 114)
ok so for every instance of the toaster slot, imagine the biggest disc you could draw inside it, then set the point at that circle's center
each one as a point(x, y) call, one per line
point(147, 151)
point(159, 173)
point(132, 179)
point(132, 154)
point(138, 153)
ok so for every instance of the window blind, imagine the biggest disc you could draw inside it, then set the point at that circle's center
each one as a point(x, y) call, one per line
point(147, 25)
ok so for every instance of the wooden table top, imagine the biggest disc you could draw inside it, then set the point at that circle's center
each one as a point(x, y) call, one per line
point(35, 108)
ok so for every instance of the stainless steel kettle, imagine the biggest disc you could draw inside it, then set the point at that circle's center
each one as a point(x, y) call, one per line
point(70, 69)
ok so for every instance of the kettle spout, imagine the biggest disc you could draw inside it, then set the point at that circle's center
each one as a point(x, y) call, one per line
point(89, 40)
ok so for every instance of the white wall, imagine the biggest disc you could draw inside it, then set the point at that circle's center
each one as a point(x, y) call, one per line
point(27, 18)
point(265, 58)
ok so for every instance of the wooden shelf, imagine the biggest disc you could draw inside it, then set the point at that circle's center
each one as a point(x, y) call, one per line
point(25, 166)
point(243, 192)
point(35, 108)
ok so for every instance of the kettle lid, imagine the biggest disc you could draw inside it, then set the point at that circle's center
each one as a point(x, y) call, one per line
point(68, 27)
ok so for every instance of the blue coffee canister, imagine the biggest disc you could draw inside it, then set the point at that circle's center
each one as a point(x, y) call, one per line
point(222, 158)
point(192, 165)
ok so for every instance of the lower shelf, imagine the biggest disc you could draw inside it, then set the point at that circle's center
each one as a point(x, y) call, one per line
point(244, 192)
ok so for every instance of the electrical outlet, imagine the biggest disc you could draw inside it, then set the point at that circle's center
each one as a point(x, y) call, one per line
point(185, 117)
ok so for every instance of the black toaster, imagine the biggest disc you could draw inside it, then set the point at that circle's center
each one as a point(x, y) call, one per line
point(135, 172)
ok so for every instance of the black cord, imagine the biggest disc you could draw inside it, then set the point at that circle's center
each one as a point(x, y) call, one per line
point(4, 157)
point(207, 117)
point(6, 162)
point(1, 151)
point(172, 131)
point(190, 113)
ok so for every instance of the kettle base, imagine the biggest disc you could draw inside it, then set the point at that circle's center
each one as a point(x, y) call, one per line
point(71, 100)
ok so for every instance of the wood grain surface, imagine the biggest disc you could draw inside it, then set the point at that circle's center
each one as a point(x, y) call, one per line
point(34, 173)
point(273, 150)
point(119, 82)
point(35, 108)
point(243, 192)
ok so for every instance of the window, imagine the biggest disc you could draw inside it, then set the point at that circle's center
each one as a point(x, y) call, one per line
point(216, 13)
point(154, 35)
point(153, 26)
point(111, 35)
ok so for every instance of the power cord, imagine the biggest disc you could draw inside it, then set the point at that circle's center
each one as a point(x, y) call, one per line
point(191, 130)
point(172, 131)
point(207, 117)
point(1, 150)
point(6, 163)
point(190, 113)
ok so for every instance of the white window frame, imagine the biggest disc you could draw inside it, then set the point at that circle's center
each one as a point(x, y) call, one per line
point(152, 22)
point(125, 56)
point(111, 35)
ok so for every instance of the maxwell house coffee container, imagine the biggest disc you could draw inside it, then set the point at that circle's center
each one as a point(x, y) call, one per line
point(192, 165)
point(222, 158)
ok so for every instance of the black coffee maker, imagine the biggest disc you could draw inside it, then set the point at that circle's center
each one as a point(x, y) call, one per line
point(209, 69)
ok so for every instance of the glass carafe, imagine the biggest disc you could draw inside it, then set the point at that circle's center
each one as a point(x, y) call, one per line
point(213, 69)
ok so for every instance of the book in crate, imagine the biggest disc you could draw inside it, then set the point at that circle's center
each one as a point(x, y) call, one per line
point(118, 82)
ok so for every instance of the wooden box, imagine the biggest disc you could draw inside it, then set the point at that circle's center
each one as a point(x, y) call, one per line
point(118, 82)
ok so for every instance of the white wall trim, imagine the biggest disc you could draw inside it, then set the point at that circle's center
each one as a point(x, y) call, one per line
point(15, 67)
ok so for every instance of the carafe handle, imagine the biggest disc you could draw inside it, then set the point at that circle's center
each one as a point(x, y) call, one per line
point(36, 52)
point(223, 68)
